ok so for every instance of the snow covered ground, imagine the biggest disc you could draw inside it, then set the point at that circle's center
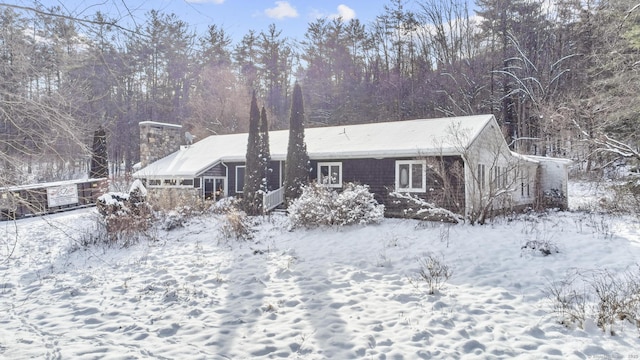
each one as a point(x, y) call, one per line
point(329, 293)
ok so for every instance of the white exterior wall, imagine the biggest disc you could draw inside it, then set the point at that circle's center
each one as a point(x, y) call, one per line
point(525, 185)
point(490, 150)
point(553, 175)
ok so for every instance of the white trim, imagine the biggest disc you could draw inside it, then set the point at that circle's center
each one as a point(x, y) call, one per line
point(240, 191)
point(329, 165)
point(409, 173)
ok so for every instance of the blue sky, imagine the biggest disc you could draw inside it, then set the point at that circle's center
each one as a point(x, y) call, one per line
point(236, 17)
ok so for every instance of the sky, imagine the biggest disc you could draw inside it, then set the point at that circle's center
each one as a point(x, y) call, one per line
point(236, 17)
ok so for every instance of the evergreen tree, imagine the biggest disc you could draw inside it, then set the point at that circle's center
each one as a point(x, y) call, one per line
point(253, 170)
point(297, 163)
point(99, 167)
point(265, 153)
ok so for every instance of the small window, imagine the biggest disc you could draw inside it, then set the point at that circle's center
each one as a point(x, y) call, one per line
point(481, 175)
point(169, 182)
point(186, 182)
point(330, 174)
point(154, 182)
point(411, 175)
point(196, 183)
point(505, 178)
point(240, 178)
point(525, 189)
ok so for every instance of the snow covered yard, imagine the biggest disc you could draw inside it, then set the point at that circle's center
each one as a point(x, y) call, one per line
point(327, 293)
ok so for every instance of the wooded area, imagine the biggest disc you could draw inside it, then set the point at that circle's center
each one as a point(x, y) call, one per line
point(554, 73)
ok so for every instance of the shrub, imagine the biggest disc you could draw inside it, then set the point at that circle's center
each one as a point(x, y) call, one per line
point(319, 205)
point(172, 220)
point(225, 205)
point(236, 225)
point(126, 215)
point(568, 300)
point(188, 202)
point(545, 247)
point(626, 198)
point(600, 295)
point(434, 272)
point(412, 207)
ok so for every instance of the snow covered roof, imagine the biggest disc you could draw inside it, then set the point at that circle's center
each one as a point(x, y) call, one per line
point(542, 159)
point(421, 137)
point(155, 123)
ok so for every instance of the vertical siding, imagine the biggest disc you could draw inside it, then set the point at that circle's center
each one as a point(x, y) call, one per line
point(380, 176)
point(272, 180)
point(217, 170)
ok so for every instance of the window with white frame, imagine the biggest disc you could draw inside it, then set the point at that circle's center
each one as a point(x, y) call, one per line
point(481, 175)
point(240, 178)
point(330, 174)
point(411, 175)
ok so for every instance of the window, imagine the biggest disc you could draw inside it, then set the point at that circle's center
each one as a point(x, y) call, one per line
point(495, 178)
point(196, 183)
point(169, 182)
point(481, 175)
point(411, 175)
point(499, 178)
point(505, 178)
point(240, 178)
point(154, 182)
point(186, 182)
point(525, 189)
point(330, 174)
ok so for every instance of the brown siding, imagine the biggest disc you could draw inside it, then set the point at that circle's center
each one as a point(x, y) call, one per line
point(379, 175)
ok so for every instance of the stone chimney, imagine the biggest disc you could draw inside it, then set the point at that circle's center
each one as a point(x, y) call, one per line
point(158, 140)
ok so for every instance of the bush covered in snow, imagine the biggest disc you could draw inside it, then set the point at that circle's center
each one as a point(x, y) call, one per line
point(412, 207)
point(126, 215)
point(319, 205)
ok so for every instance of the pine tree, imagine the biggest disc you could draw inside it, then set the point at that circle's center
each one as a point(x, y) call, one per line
point(253, 170)
point(297, 163)
point(99, 167)
point(265, 153)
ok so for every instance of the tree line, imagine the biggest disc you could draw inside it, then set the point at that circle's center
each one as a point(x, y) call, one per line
point(553, 72)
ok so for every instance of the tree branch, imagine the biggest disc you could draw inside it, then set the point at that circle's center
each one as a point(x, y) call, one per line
point(69, 17)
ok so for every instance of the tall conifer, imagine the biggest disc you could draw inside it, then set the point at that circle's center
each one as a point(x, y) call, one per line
point(265, 153)
point(297, 163)
point(252, 174)
point(99, 163)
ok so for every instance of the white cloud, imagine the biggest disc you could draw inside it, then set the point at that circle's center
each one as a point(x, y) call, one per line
point(282, 10)
point(205, 1)
point(345, 12)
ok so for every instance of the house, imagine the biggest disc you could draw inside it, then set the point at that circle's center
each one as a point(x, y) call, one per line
point(459, 163)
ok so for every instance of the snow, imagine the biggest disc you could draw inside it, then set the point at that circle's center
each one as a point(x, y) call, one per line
point(138, 186)
point(324, 293)
point(410, 138)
